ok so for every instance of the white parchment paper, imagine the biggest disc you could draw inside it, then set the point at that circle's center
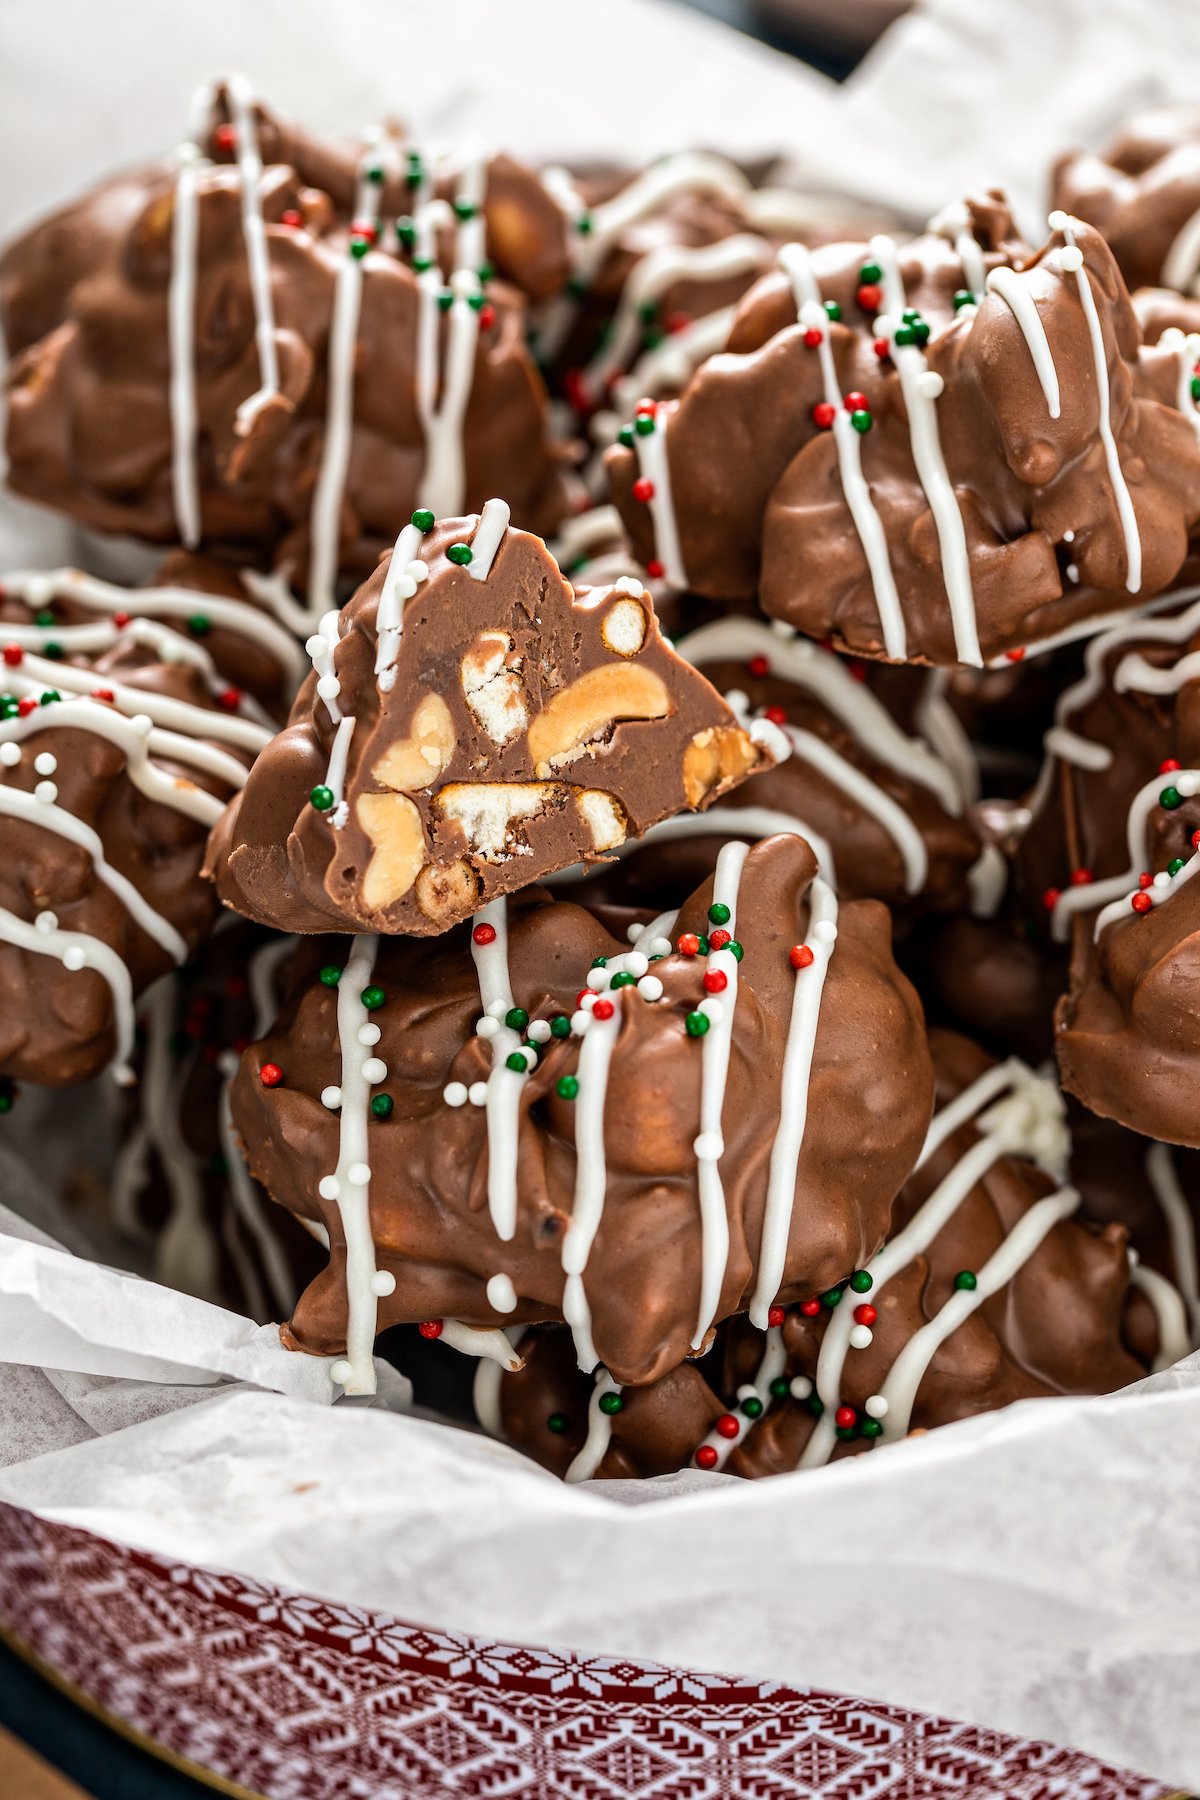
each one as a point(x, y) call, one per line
point(1036, 1570)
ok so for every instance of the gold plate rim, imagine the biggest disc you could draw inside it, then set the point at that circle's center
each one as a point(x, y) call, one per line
point(161, 1752)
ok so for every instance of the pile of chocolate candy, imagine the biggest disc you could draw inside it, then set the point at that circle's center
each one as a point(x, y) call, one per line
point(644, 826)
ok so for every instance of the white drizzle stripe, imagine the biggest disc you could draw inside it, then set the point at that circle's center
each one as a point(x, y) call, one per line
point(1134, 673)
point(1164, 1181)
point(487, 539)
point(504, 1085)
point(254, 232)
point(670, 365)
point(17, 804)
point(1008, 285)
point(585, 532)
point(137, 738)
point(714, 1074)
point(649, 279)
point(823, 674)
point(1183, 258)
point(76, 950)
point(718, 821)
point(930, 464)
point(325, 521)
point(774, 1361)
point(442, 396)
point(1116, 475)
point(401, 582)
point(181, 325)
point(795, 1077)
point(905, 1376)
point(941, 726)
point(184, 1246)
point(1170, 1313)
point(353, 1196)
point(654, 466)
point(489, 1344)
point(335, 773)
point(1186, 346)
point(39, 587)
point(485, 1396)
point(954, 224)
point(599, 1432)
point(868, 794)
point(1162, 888)
point(797, 265)
point(1024, 1117)
point(1088, 897)
point(591, 1177)
point(178, 716)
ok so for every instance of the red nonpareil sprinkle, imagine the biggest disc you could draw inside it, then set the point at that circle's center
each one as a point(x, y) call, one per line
point(103, 694)
point(759, 666)
point(270, 1074)
point(121, 620)
point(26, 706)
point(225, 138)
point(1015, 655)
point(575, 389)
point(776, 714)
point(603, 1009)
point(857, 669)
point(881, 348)
point(688, 944)
point(14, 656)
point(728, 1426)
point(1196, 840)
point(706, 1457)
point(1051, 898)
point(654, 569)
point(431, 1328)
point(870, 297)
point(1081, 877)
point(811, 1309)
point(856, 402)
point(823, 414)
point(230, 698)
point(1145, 879)
point(643, 489)
point(1169, 765)
point(718, 939)
point(365, 229)
point(814, 336)
point(646, 409)
point(292, 218)
point(484, 934)
point(800, 956)
point(845, 1417)
point(1141, 902)
point(715, 981)
point(865, 1314)
point(775, 1316)
point(678, 321)
point(487, 315)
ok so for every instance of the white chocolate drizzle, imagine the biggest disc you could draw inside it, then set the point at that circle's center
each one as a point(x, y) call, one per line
point(487, 539)
point(1008, 285)
point(795, 1078)
point(1167, 1189)
point(654, 467)
point(1071, 260)
point(1016, 1113)
point(797, 265)
point(920, 404)
point(350, 1184)
point(710, 1145)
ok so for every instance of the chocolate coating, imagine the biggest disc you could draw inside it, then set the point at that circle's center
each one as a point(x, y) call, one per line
point(84, 302)
point(1141, 191)
point(1027, 486)
point(868, 1105)
point(105, 824)
point(516, 731)
point(1060, 1325)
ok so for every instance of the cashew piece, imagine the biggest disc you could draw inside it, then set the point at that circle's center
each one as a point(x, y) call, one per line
point(416, 761)
point(398, 852)
point(590, 707)
point(714, 760)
